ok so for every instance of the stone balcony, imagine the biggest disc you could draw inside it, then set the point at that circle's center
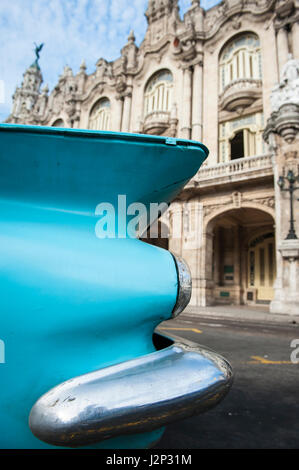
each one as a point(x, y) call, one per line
point(238, 170)
point(239, 94)
point(156, 122)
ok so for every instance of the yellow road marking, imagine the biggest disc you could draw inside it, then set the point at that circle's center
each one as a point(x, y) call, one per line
point(262, 360)
point(180, 329)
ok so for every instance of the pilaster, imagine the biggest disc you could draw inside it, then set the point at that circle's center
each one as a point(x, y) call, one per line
point(282, 135)
point(197, 96)
point(187, 103)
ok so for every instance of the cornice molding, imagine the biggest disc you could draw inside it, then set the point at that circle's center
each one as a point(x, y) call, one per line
point(223, 13)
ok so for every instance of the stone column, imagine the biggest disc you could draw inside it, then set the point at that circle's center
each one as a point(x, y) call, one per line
point(176, 227)
point(187, 104)
point(197, 103)
point(127, 112)
point(192, 246)
point(206, 278)
point(118, 114)
point(282, 48)
point(237, 277)
point(216, 256)
point(295, 40)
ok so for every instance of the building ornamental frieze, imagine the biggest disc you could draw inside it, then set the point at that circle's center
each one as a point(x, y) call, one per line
point(268, 201)
point(238, 200)
point(233, 11)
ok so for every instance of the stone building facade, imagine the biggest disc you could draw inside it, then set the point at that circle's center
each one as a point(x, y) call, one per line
point(228, 77)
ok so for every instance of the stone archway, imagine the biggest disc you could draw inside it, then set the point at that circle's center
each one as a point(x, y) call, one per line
point(240, 256)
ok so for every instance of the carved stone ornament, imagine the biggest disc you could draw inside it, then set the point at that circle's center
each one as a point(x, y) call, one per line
point(184, 49)
point(267, 201)
point(236, 23)
point(291, 161)
point(291, 156)
point(120, 83)
point(70, 107)
point(284, 119)
point(237, 199)
point(287, 91)
point(284, 8)
point(159, 8)
point(101, 70)
point(207, 210)
point(284, 122)
point(289, 249)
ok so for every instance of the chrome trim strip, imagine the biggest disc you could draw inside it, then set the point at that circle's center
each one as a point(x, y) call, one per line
point(131, 397)
point(184, 286)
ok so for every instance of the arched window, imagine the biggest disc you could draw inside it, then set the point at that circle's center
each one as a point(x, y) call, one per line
point(241, 137)
point(158, 93)
point(241, 58)
point(58, 123)
point(100, 116)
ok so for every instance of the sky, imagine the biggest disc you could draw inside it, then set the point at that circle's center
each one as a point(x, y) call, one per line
point(72, 31)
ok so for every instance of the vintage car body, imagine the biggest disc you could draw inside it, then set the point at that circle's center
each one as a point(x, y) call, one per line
point(82, 365)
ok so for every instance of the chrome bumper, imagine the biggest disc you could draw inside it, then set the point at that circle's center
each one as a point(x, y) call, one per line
point(139, 395)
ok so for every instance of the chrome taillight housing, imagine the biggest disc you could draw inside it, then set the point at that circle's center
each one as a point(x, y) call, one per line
point(184, 286)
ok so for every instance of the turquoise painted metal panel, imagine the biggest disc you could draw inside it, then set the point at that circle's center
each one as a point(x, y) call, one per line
point(72, 303)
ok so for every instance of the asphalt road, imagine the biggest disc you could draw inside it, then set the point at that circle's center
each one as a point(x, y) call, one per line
point(261, 410)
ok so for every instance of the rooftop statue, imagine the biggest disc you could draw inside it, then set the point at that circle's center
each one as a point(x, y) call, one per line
point(37, 54)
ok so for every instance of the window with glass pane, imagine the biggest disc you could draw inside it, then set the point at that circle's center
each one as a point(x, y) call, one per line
point(241, 58)
point(100, 116)
point(158, 93)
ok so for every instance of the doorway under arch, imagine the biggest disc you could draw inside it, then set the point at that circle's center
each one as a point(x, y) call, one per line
point(243, 264)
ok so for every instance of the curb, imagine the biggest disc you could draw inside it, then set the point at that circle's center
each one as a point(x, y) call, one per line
point(254, 317)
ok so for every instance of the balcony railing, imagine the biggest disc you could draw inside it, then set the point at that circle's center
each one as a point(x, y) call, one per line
point(236, 169)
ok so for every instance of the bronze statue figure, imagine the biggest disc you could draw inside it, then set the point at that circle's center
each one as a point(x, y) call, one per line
point(37, 52)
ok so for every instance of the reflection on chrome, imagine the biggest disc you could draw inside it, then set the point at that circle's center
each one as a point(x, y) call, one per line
point(184, 286)
point(134, 396)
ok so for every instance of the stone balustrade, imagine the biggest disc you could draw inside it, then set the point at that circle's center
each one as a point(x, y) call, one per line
point(234, 170)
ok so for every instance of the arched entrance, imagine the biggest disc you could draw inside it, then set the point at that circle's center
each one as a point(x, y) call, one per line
point(243, 265)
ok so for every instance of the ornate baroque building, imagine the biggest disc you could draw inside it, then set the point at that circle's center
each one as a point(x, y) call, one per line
point(228, 77)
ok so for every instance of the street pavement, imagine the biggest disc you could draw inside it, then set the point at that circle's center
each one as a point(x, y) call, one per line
point(261, 410)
